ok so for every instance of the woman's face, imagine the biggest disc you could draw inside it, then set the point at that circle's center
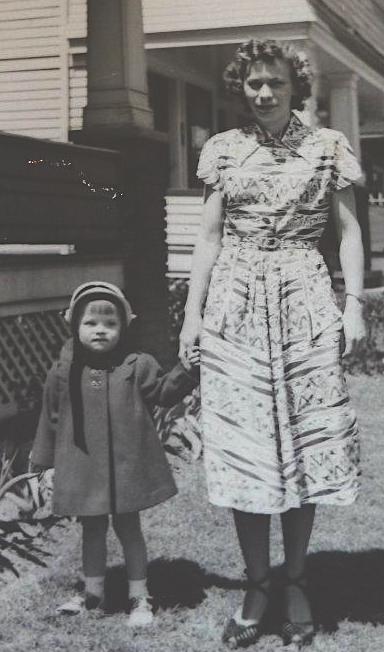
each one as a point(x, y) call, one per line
point(100, 326)
point(268, 90)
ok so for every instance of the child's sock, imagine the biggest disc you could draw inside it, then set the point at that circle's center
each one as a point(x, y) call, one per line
point(95, 586)
point(138, 588)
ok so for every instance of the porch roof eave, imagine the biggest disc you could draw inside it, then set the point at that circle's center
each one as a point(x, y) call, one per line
point(322, 38)
point(297, 31)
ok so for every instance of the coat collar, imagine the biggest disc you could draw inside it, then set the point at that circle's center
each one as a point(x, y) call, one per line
point(66, 356)
point(129, 364)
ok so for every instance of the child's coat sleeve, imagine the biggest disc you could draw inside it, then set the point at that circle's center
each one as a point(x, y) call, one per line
point(44, 445)
point(164, 389)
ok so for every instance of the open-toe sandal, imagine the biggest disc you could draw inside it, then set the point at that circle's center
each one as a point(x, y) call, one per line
point(297, 633)
point(240, 635)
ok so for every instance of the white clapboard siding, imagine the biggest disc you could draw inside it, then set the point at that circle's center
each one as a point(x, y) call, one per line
point(183, 216)
point(22, 6)
point(37, 96)
point(77, 19)
point(77, 33)
point(29, 25)
point(18, 48)
point(33, 63)
point(33, 68)
point(77, 97)
point(181, 15)
point(29, 31)
point(46, 133)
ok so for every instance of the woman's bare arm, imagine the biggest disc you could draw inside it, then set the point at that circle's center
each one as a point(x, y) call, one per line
point(352, 265)
point(206, 250)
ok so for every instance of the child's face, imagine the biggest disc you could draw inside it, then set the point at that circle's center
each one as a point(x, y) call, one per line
point(100, 326)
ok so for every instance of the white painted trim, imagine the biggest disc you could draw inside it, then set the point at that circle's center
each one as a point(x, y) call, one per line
point(64, 70)
point(224, 35)
point(175, 71)
point(325, 40)
point(36, 249)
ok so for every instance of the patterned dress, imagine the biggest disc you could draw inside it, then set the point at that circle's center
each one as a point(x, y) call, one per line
point(278, 428)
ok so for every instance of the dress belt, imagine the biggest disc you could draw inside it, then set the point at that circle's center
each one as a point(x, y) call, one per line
point(267, 243)
point(253, 243)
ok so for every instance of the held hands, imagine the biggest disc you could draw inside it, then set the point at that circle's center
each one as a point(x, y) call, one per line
point(354, 326)
point(189, 350)
point(192, 361)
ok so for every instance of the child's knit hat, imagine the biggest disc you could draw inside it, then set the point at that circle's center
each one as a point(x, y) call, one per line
point(93, 290)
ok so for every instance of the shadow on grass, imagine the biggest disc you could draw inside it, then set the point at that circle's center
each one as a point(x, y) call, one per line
point(171, 582)
point(347, 585)
point(341, 585)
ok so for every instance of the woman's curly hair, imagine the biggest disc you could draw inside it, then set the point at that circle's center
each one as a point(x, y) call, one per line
point(254, 50)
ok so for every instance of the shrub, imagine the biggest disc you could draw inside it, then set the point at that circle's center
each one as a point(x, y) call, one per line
point(25, 515)
point(178, 290)
point(370, 357)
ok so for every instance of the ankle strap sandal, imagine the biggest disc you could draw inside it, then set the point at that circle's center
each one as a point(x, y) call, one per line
point(241, 635)
point(298, 633)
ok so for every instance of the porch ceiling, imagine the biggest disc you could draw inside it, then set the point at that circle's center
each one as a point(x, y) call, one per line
point(170, 16)
point(226, 35)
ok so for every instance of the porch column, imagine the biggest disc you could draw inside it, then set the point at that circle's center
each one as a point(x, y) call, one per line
point(344, 107)
point(118, 117)
point(309, 113)
point(117, 82)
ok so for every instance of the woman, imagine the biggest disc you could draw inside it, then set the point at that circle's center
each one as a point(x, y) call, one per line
point(279, 433)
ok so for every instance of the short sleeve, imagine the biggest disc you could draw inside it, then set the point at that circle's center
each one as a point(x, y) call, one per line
point(347, 167)
point(208, 166)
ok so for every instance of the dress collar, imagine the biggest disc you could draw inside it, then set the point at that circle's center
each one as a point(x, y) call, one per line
point(291, 138)
point(293, 132)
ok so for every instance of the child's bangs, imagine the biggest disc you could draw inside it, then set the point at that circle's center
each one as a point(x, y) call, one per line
point(102, 307)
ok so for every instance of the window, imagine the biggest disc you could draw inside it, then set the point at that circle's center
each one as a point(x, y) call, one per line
point(199, 127)
point(158, 92)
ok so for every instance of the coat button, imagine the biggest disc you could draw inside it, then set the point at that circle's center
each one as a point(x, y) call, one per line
point(96, 377)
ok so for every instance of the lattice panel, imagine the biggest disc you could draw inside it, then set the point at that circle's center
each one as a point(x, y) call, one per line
point(28, 345)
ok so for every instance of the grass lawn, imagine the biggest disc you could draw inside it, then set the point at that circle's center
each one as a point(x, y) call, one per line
point(196, 571)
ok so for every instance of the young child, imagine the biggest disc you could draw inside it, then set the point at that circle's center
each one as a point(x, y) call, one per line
point(96, 430)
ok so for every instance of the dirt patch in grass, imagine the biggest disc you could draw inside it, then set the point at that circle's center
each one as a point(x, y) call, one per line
point(196, 572)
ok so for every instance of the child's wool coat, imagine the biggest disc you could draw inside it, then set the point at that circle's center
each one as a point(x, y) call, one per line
point(125, 468)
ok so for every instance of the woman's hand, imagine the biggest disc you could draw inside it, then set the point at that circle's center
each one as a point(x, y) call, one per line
point(354, 326)
point(190, 336)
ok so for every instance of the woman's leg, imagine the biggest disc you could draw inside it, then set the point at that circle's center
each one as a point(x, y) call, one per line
point(253, 534)
point(128, 531)
point(94, 553)
point(297, 527)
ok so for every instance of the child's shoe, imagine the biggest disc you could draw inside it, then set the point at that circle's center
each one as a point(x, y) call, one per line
point(93, 602)
point(140, 612)
point(72, 607)
point(78, 604)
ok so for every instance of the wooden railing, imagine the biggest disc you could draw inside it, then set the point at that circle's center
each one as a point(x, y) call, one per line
point(183, 215)
point(376, 199)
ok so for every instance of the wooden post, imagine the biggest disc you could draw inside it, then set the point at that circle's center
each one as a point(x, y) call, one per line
point(118, 116)
point(117, 82)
